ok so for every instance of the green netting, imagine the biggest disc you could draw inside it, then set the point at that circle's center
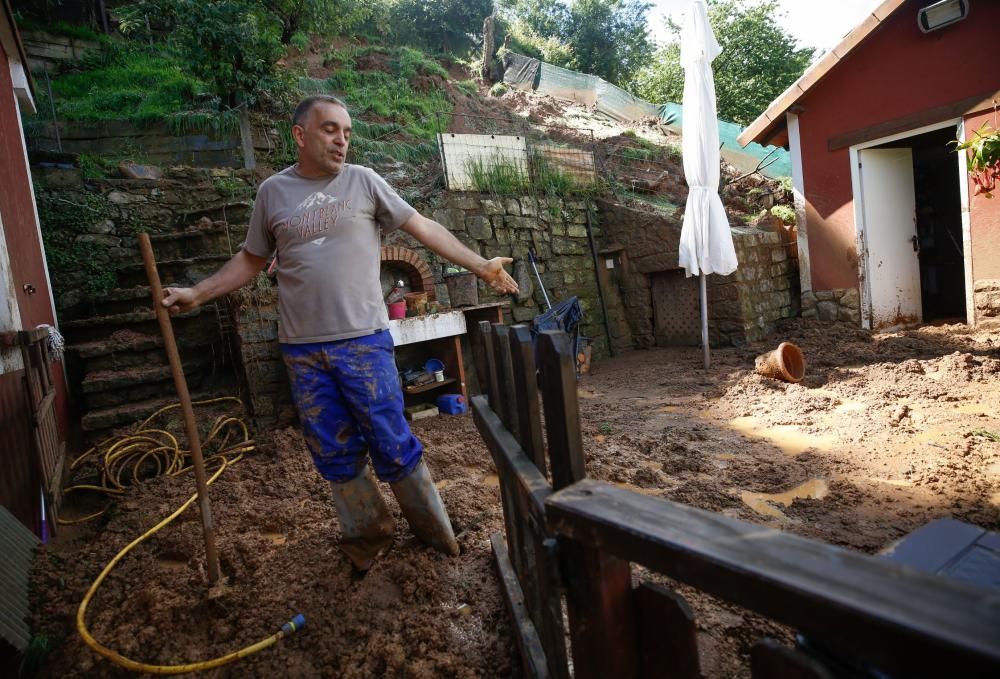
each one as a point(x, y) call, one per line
point(743, 159)
point(614, 102)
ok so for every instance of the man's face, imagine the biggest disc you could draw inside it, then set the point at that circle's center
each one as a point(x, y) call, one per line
point(323, 139)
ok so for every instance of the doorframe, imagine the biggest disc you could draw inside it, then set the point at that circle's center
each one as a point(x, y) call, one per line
point(859, 221)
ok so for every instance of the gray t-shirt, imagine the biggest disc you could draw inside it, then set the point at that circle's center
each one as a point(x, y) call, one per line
point(326, 233)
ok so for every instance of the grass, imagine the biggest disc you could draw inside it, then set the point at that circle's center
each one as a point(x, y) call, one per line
point(467, 87)
point(378, 95)
point(497, 175)
point(502, 176)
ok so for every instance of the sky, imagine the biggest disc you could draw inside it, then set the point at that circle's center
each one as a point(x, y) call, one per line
point(815, 23)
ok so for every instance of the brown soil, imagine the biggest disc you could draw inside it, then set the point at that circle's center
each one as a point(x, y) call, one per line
point(885, 433)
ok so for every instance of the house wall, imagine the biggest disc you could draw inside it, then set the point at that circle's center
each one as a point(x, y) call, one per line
point(899, 71)
point(984, 225)
point(22, 262)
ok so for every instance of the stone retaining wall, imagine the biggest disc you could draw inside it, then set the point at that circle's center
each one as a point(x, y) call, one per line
point(557, 230)
point(833, 305)
point(986, 294)
point(743, 307)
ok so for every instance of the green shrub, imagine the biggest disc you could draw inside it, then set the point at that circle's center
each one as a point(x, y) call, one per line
point(299, 41)
point(497, 175)
point(467, 87)
point(498, 89)
point(785, 213)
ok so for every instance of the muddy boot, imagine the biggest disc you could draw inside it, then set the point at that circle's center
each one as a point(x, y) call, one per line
point(421, 504)
point(365, 520)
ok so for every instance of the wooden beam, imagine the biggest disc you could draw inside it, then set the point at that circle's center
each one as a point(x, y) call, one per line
point(505, 378)
point(669, 636)
point(529, 417)
point(770, 659)
point(532, 654)
point(510, 458)
point(557, 367)
point(492, 387)
point(897, 619)
point(913, 121)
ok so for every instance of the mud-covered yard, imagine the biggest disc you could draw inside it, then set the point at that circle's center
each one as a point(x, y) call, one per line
point(885, 433)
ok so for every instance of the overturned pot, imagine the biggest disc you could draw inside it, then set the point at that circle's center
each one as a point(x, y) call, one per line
point(784, 363)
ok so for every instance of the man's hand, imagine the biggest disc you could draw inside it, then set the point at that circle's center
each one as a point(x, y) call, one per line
point(179, 300)
point(494, 275)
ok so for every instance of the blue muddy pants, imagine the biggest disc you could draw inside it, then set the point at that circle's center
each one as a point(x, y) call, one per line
point(350, 404)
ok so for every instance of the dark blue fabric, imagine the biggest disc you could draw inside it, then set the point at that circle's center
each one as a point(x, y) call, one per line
point(350, 404)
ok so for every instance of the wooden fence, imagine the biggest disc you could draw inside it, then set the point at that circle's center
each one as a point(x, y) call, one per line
point(45, 454)
point(570, 543)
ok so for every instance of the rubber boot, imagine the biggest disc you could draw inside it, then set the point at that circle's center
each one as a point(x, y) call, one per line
point(365, 520)
point(420, 501)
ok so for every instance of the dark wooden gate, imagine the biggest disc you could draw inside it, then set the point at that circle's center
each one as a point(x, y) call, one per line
point(570, 544)
point(40, 392)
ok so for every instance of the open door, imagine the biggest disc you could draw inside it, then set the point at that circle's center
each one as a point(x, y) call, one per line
point(892, 247)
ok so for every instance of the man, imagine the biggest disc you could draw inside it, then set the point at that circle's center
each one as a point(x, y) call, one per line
point(322, 217)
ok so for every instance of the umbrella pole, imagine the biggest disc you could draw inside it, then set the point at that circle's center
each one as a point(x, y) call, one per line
point(704, 320)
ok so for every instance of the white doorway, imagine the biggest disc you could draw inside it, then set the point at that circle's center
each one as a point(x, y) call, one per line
point(910, 199)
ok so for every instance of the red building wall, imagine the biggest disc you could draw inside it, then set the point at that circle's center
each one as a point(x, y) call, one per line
point(898, 71)
point(19, 487)
point(985, 212)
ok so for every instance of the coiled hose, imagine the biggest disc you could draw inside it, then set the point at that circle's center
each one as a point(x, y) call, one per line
point(136, 452)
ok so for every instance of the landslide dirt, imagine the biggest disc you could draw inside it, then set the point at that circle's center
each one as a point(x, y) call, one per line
point(885, 433)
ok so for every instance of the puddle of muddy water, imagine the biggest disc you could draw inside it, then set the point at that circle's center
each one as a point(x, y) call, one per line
point(995, 500)
point(276, 539)
point(173, 564)
point(491, 480)
point(654, 492)
point(786, 437)
point(763, 503)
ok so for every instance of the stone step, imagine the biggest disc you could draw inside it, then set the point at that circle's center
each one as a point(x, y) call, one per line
point(95, 328)
point(202, 239)
point(183, 272)
point(107, 388)
point(127, 349)
point(99, 422)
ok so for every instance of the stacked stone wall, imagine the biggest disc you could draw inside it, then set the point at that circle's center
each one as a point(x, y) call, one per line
point(842, 304)
point(557, 230)
point(986, 295)
point(743, 307)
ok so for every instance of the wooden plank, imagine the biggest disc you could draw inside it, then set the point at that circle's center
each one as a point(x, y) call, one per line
point(532, 654)
point(505, 378)
point(914, 120)
point(894, 618)
point(669, 636)
point(492, 387)
point(524, 505)
point(44, 408)
point(602, 616)
point(510, 458)
point(770, 659)
point(529, 417)
point(557, 367)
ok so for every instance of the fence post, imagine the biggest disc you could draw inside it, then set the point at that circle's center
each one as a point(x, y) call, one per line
point(599, 597)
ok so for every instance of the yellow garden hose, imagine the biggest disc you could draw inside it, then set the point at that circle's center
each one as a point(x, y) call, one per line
point(134, 451)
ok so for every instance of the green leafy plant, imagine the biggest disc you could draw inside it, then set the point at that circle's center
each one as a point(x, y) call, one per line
point(467, 87)
point(785, 213)
point(498, 89)
point(497, 175)
point(982, 159)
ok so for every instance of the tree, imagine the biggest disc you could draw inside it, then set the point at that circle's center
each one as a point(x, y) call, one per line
point(609, 37)
point(603, 37)
point(759, 61)
point(320, 17)
point(230, 44)
point(439, 24)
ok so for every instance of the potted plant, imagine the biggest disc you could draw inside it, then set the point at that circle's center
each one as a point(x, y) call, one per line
point(983, 159)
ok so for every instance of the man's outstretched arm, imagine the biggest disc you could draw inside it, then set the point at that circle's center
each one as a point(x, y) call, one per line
point(233, 275)
point(443, 242)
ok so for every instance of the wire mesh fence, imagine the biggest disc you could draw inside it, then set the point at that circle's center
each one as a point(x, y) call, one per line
point(505, 155)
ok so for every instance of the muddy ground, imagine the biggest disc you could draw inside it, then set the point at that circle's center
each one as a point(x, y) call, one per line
point(885, 433)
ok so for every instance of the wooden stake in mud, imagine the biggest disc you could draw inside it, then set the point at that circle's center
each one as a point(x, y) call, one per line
point(194, 441)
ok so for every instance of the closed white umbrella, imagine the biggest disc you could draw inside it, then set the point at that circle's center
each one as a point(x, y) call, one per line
point(706, 242)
